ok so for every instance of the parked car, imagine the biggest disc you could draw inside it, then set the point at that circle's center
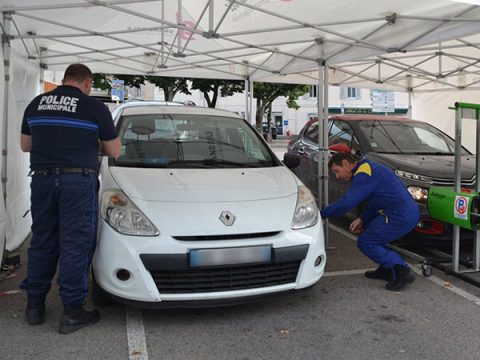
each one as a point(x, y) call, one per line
point(273, 131)
point(420, 154)
point(199, 210)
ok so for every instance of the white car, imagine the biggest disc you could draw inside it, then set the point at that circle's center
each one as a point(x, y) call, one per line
point(198, 210)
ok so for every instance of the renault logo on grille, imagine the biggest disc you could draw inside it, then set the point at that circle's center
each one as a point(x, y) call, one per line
point(227, 218)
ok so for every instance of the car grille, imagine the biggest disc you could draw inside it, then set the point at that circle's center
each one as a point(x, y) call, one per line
point(225, 278)
point(226, 237)
point(451, 182)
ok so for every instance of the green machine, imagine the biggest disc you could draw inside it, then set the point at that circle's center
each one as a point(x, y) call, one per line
point(458, 206)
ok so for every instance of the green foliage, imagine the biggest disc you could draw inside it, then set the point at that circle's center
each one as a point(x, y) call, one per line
point(100, 82)
point(211, 88)
point(266, 93)
point(169, 85)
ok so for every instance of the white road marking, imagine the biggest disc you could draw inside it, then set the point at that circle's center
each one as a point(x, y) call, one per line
point(417, 268)
point(448, 286)
point(346, 272)
point(137, 345)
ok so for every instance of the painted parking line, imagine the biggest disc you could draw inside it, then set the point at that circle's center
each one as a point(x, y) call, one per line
point(346, 272)
point(417, 269)
point(137, 345)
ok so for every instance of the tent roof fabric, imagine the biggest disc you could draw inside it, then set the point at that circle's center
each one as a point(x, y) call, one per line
point(416, 45)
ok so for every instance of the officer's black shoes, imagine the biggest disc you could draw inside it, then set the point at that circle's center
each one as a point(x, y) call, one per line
point(399, 277)
point(77, 318)
point(35, 314)
point(379, 273)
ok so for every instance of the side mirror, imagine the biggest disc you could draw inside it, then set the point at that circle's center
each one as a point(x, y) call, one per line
point(291, 160)
point(340, 147)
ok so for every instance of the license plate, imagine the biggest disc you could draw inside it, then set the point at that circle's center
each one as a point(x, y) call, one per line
point(230, 256)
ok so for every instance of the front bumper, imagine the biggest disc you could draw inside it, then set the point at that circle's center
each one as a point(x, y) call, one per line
point(159, 268)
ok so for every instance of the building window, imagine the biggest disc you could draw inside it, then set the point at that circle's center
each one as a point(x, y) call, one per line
point(349, 93)
point(313, 91)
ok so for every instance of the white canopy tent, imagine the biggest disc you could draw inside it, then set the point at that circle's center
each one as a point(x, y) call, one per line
point(382, 44)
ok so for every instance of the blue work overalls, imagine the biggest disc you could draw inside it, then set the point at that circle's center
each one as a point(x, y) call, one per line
point(389, 214)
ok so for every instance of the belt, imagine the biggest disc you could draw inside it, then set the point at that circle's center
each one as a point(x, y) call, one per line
point(58, 171)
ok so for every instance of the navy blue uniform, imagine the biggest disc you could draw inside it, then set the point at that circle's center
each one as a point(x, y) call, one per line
point(65, 126)
point(390, 213)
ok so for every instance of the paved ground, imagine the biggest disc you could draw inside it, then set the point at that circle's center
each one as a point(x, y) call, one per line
point(344, 316)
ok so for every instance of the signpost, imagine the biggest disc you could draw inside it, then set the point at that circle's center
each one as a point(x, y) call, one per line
point(118, 90)
point(383, 101)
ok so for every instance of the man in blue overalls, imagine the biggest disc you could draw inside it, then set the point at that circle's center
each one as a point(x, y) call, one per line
point(64, 130)
point(389, 214)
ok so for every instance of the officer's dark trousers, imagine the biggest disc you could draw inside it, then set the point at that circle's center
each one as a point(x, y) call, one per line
point(64, 213)
point(384, 229)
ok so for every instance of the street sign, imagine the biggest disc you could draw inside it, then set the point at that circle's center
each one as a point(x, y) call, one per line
point(118, 95)
point(118, 90)
point(383, 101)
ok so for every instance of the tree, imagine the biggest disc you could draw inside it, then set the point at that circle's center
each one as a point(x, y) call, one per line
point(170, 86)
point(214, 87)
point(266, 93)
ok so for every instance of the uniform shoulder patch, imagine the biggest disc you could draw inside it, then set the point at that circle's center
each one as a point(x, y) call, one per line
point(364, 168)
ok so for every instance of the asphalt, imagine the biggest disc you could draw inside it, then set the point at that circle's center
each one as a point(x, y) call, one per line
point(343, 316)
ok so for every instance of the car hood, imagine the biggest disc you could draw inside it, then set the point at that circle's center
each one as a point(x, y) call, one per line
point(205, 185)
point(190, 202)
point(435, 166)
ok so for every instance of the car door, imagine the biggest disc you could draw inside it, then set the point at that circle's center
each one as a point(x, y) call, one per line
point(307, 148)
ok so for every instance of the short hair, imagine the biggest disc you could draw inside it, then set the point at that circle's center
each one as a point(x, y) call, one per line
point(337, 159)
point(77, 73)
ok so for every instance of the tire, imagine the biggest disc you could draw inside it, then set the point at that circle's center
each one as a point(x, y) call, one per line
point(100, 296)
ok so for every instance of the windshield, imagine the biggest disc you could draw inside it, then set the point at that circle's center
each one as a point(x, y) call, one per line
point(191, 141)
point(401, 137)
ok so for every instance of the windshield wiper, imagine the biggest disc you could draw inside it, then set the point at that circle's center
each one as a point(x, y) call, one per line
point(213, 162)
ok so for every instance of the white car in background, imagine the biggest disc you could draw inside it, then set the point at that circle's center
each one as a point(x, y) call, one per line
point(198, 210)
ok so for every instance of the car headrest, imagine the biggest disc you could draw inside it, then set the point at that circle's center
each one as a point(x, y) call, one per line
point(340, 147)
point(143, 126)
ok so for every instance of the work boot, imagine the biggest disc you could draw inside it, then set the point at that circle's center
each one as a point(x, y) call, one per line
point(379, 273)
point(35, 313)
point(77, 318)
point(399, 277)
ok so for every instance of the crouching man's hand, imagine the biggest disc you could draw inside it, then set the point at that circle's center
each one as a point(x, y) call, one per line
point(356, 226)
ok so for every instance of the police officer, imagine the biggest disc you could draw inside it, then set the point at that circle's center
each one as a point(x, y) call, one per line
point(64, 130)
point(389, 214)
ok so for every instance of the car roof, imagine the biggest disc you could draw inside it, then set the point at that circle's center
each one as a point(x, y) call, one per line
point(365, 118)
point(155, 108)
point(355, 117)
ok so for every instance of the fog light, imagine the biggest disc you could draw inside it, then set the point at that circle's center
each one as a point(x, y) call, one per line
point(318, 261)
point(123, 275)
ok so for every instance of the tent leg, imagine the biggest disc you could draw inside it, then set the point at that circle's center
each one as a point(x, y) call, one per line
point(6, 61)
point(252, 113)
point(247, 108)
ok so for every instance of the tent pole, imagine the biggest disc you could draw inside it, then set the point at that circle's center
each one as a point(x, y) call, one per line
point(247, 109)
point(211, 15)
point(252, 113)
point(180, 21)
point(325, 135)
point(321, 144)
point(6, 61)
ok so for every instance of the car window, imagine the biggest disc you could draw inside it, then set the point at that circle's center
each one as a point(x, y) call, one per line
point(402, 137)
point(311, 133)
point(342, 133)
point(159, 140)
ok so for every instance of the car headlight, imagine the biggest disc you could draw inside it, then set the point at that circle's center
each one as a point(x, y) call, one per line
point(411, 176)
point(418, 193)
point(124, 216)
point(306, 211)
